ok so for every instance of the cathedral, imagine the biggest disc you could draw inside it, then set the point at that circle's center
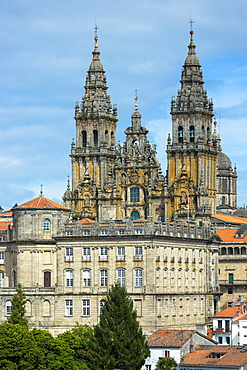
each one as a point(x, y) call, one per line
point(116, 182)
point(124, 220)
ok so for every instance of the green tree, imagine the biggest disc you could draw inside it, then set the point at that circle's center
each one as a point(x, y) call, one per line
point(166, 363)
point(79, 339)
point(118, 339)
point(18, 309)
point(18, 349)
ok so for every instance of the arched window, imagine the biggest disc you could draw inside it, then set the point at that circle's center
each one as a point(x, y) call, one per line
point(8, 307)
point(46, 308)
point(95, 137)
point(180, 134)
point(223, 250)
point(138, 277)
point(236, 250)
point(46, 224)
point(112, 138)
point(69, 278)
point(28, 307)
point(230, 250)
point(223, 200)
point(243, 250)
point(106, 136)
point(208, 133)
point(192, 134)
point(121, 277)
point(1, 279)
point(84, 138)
point(203, 132)
point(86, 278)
point(135, 215)
point(47, 279)
point(135, 194)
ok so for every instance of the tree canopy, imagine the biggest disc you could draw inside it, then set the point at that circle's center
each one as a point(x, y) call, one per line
point(18, 308)
point(118, 339)
point(166, 363)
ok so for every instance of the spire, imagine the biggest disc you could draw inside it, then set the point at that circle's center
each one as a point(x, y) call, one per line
point(136, 116)
point(192, 97)
point(96, 99)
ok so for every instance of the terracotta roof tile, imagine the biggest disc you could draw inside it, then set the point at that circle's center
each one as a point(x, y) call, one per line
point(228, 235)
point(229, 312)
point(40, 203)
point(231, 219)
point(5, 225)
point(169, 338)
point(86, 221)
point(231, 356)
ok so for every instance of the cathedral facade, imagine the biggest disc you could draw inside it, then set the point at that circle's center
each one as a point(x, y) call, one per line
point(123, 220)
point(112, 181)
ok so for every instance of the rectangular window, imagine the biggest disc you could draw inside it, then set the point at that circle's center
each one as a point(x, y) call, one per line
point(121, 253)
point(138, 253)
point(1, 258)
point(134, 194)
point(69, 232)
point(85, 307)
point(69, 254)
point(138, 231)
point(86, 278)
point(220, 340)
point(103, 278)
point(121, 276)
point(103, 254)
point(86, 232)
point(138, 277)
point(86, 254)
point(121, 232)
point(68, 307)
point(230, 278)
point(227, 340)
point(69, 278)
point(104, 232)
point(219, 324)
point(230, 291)
point(167, 353)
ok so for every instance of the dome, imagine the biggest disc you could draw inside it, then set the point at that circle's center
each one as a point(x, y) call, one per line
point(223, 162)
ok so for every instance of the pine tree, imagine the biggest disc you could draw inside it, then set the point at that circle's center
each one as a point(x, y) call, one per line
point(118, 339)
point(18, 309)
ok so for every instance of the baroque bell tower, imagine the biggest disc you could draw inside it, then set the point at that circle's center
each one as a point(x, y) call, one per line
point(93, 152)
point(193, 148)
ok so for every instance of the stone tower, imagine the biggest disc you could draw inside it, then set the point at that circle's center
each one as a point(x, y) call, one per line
point(139, 178)
point(93, 152)
point(193, 148)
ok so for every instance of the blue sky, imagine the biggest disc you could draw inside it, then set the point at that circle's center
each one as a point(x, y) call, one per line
point(45, 52)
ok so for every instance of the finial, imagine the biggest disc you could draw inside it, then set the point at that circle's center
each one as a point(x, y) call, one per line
point(136, 99)
point(41, 191)
point(96, 35)
point(68, 184)
point(191, 26)
point(215, 124)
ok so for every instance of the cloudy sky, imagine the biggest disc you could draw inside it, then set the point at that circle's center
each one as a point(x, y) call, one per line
point(45, 52)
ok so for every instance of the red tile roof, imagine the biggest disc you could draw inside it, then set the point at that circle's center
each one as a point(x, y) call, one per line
point(231, 219)
point(228, 235)
point(170, 338)
point(5, 225)
point(86, 221)
point(40, 203)
point(230, 356)
point(229, 312)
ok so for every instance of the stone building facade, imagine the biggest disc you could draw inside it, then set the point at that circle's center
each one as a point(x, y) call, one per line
point(169, 270)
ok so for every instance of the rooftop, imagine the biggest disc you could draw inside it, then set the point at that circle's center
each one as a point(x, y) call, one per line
point(40, 203)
